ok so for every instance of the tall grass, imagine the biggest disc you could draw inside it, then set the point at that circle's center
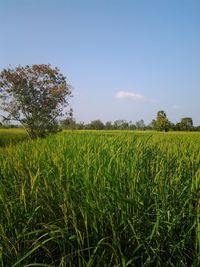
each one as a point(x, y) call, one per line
point(12, 136)
point(99, 199)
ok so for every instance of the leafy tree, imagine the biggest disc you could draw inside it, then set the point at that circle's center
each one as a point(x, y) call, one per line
point(178, 126)
point(197, 128)
point(80, 125)
point(132, 126)
point(186, 124)
point(108, 125)
point(121, 125)
point(96, 125)
point(35, 96)
point(151, 125)
point(68, 123)
point(161, 123)
point(140, 125)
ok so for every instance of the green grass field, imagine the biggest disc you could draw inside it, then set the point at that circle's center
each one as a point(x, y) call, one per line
point(12, 136)
point(97, 198)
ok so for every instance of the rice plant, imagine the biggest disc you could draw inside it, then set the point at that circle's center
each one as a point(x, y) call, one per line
point(95, 198)
point(12, 136)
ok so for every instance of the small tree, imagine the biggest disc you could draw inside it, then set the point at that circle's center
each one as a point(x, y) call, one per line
point(140, 125)
point(68, 123)
point(108, 125)
point(96, 125)
point(121, 125)
point(186, 124)
point(35, 96)
point(161, 123)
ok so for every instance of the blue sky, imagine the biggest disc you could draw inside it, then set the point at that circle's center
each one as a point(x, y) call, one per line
point(126, 59)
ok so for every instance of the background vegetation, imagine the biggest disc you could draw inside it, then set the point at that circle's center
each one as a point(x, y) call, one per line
point(161, 123)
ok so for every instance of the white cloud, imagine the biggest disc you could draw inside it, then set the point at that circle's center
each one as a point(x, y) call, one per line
point(134, 97)
point(130, 95)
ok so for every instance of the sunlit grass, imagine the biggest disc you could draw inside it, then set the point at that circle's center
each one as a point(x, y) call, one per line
point(12, 136)
point(100, 198)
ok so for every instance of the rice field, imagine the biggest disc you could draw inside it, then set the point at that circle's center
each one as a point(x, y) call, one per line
point(12, 136)
point(97, 198)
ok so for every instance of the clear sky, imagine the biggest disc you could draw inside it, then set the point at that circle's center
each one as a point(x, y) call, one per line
point(126, 59)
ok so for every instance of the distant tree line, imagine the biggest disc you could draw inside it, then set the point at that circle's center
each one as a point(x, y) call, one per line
point(161, 123)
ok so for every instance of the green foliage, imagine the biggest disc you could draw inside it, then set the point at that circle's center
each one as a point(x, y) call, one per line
point(186, 124)
point(161, 123)
point(68, 123)
point(101, 199)
point(34, 96)
point(12, 136)
point(140, 125)
point(96, 125)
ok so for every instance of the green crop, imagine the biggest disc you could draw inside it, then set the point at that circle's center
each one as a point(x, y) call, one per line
point(12, 136)
point(97, 198)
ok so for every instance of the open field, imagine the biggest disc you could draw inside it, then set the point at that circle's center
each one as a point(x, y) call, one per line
point(97, 198)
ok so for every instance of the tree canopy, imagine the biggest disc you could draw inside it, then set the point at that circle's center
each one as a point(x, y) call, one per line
point(186, 124)
point(161, 123)
point(35, 96)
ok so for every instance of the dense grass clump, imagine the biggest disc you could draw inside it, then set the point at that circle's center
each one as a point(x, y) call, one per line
point(101, 199)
